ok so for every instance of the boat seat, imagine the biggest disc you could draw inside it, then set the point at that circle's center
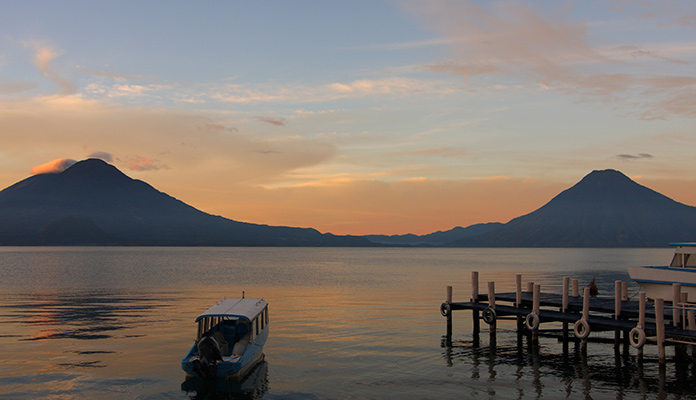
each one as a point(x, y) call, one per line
point(240, 347)
point(224, 346)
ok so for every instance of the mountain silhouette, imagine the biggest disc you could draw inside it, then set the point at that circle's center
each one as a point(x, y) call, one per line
point(92, 202)
point(438, 238)
point(604, 209)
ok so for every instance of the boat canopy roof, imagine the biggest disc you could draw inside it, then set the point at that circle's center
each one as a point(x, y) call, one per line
point(687, 248)
point(239, 308)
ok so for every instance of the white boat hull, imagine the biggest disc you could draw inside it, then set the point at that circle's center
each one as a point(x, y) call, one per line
point(657, 281)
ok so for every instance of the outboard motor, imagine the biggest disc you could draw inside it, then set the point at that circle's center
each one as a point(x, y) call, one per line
point(208, 356)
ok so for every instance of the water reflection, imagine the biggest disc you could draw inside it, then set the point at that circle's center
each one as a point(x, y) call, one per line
point(87, 315)
point(253, 386)
point(538, 369)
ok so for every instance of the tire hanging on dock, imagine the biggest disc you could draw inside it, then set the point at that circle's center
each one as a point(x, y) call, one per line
point(637, 337)
point(531, 321)
point(445, 309)
point(581, 329)
point(489, 315)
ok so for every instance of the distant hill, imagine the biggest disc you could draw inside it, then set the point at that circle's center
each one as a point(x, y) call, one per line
point(93, 203)
point(438, 238)
point(604, 209)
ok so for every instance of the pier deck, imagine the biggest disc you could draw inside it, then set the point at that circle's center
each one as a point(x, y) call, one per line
point(640, 321)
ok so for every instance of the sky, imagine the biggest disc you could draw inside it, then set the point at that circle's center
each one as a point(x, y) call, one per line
point(354, 117)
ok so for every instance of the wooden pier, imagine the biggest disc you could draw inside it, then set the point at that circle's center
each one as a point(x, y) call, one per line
point(640, 321)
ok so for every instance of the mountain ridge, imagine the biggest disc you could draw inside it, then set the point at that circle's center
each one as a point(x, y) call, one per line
point(604, 209)
point(131, 212)
point(94, 203)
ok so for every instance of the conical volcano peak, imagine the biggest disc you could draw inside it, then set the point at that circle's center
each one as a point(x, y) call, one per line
point(607, 186)
point(93, 170)
point(93, 166)
point(605, 177)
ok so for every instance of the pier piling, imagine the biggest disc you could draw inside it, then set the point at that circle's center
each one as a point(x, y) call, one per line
point(489, 313)
point(641, 322)
point(449, 314)
point(660, 326)
point(564, 306)
point(475, 299)
point(576, 290)
point(518, 299)
point(618, 296)
point(692, 327)
point(676, 298)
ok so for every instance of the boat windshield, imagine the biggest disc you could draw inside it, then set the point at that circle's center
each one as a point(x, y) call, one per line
point(682, 260)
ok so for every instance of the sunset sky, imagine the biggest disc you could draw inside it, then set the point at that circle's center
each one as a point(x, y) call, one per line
point(354, 117)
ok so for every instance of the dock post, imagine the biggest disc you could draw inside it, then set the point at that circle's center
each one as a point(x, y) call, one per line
point(564, 307)
point(618, 295)
point(493, 322)
point(582, 326)
point(660, 322)
point(474, 287)
point(576, 290)
point(641, 321)
point(536, 300)
point(676, 316)
point(683, 306)
point(475, 299)
point(491, 304)
point(518, 299)
point(692, 327)
point(624, 297)
point(449, 315)
point(586, 303)
point(676, 298)
point(518, 290)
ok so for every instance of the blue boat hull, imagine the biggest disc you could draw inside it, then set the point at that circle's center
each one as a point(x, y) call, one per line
point(231, 367)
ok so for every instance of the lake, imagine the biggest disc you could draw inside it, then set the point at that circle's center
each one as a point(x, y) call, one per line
point(346, 323)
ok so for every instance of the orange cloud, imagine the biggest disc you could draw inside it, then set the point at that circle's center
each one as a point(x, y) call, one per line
point(53, 167)
point(138, 163)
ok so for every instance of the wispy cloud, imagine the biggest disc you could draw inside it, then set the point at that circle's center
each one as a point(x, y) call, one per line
point(628, 157)
point(272, 120)
point(218, 128)
point(298, 93)
point(550, 50)
point(14, 88)
point(102, 155)
point(138, 163)
point(43, 57)
point(110, 75)
point(141, 139)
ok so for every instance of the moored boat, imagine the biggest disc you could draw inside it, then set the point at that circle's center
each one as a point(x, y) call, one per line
point(230, 339)
point(657, 281)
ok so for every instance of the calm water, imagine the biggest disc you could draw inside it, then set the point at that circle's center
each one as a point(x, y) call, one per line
point(107, 323)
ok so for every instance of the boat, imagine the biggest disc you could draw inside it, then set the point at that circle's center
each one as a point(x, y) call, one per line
point(657, 281)
point(229, 341)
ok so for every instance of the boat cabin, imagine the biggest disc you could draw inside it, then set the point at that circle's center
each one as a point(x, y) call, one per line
point(684, 256)
point(233, 323)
